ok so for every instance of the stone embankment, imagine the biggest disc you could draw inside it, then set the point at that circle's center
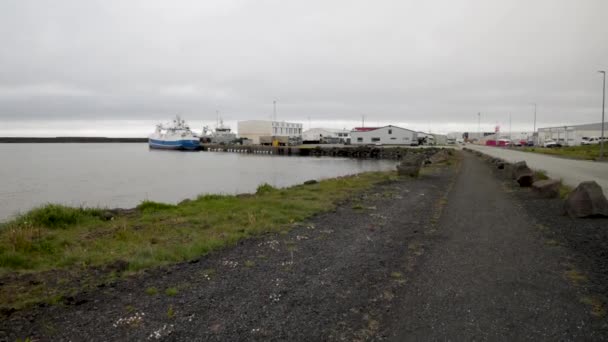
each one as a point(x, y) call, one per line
point(587, 200)
point(358, 152)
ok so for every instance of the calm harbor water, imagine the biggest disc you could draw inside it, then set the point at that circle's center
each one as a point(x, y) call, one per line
point(122, 175)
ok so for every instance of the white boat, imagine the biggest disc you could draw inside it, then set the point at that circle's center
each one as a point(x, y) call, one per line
point(176, 136)
point(222, 134)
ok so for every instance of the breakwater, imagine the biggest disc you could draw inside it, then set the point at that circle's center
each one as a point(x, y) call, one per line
point(357, 152)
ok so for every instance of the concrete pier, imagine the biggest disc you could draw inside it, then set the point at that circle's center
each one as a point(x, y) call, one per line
point(358, 152)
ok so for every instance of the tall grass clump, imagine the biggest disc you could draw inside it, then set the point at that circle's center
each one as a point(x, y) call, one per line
point(152, 207)
point(265, 189)
point(55, 216)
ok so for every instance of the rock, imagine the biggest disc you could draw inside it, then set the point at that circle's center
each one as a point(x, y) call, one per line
point(525, 179)
point(522, 174)
point(107, 216)
point(439, 157)
point(587, 200)
point(548, 188)
point(410, 165)
point(518, 166)
point(312, 181)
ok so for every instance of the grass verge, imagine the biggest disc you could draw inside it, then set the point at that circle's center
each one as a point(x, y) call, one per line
point(68, 240)
point(588, 152)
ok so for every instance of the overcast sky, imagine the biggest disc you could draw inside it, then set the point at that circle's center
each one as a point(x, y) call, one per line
point(105, 67)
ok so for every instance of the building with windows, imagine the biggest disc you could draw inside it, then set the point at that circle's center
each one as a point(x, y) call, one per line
point(387, 135)
point(265, 130)
point(570, 135)
point(326, 136)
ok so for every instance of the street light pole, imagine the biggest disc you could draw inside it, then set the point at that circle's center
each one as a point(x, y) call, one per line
point(274, 112)
point(478, 127)
point(603, 109)
point(534, 135)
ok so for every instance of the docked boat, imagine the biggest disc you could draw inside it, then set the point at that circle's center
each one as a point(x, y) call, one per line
point(176, 136)
point(222, 134)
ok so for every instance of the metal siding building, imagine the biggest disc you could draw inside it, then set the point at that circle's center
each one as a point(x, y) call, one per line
point(388, 135)
point(570, 135)
point(255, 129)
point(319, 134)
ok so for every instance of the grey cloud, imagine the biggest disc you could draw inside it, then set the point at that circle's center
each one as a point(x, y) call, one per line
point(436, 61)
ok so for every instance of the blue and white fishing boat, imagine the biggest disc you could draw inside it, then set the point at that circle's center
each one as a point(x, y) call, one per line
point(176, 136)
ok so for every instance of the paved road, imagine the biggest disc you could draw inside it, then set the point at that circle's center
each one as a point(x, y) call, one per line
point(572, 172)
point(489, 277)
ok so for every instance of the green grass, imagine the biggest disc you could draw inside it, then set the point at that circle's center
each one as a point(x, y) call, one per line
point(56, 237)
point(540, 175)
point(151, 291)
point(590, 152)
point(171, 291)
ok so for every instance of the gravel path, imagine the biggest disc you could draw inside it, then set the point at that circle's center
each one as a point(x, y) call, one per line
point(571, 171)
point(489, 277)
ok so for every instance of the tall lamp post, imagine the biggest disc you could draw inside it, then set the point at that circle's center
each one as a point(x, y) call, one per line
point(603, 106)
point(534, 135)
point(478, 127)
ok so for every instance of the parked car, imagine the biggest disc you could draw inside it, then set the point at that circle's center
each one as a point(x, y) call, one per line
point(590, 141)
point(551, 143)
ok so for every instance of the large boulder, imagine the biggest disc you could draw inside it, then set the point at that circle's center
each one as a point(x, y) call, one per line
point(548, 188)
point(410, 164)
point(439, 157)
point(522, 174)
point(587, 200)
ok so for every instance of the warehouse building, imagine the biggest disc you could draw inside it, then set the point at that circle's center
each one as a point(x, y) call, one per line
point(266, 131)
point(326, 136)
point(388, 135)
point(570, 135)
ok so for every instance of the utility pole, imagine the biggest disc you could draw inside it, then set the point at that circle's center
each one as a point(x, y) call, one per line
point(362, 120)
point(534, 135)
point(274, 116)
point(603, 110)
point(478, 126)
point(510, 132)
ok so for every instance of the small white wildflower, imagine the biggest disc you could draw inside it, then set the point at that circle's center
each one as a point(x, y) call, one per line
point(275, 297)
point(134, 320)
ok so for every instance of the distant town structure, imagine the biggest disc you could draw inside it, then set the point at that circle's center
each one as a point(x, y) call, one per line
point(266, 131)
point(570, 135)
point(387, 135)
point(326, 136)
point(517, 138)
point(440, 139)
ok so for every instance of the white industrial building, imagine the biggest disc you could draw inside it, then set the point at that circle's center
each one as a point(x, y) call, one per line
point(326, 135)
point(266, 130)
point(440, 139)
point(388, 135)
point(570, 135)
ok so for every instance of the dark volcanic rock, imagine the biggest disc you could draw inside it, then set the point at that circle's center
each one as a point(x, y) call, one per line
point(548, 188)
point(522, 174)
point(411, 164)
point(439, 157)
point(587, 200)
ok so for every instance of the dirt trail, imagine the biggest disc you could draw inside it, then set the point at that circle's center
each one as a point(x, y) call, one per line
point(489, 277)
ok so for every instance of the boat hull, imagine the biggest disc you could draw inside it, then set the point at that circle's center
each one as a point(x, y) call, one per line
point(183, 144)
